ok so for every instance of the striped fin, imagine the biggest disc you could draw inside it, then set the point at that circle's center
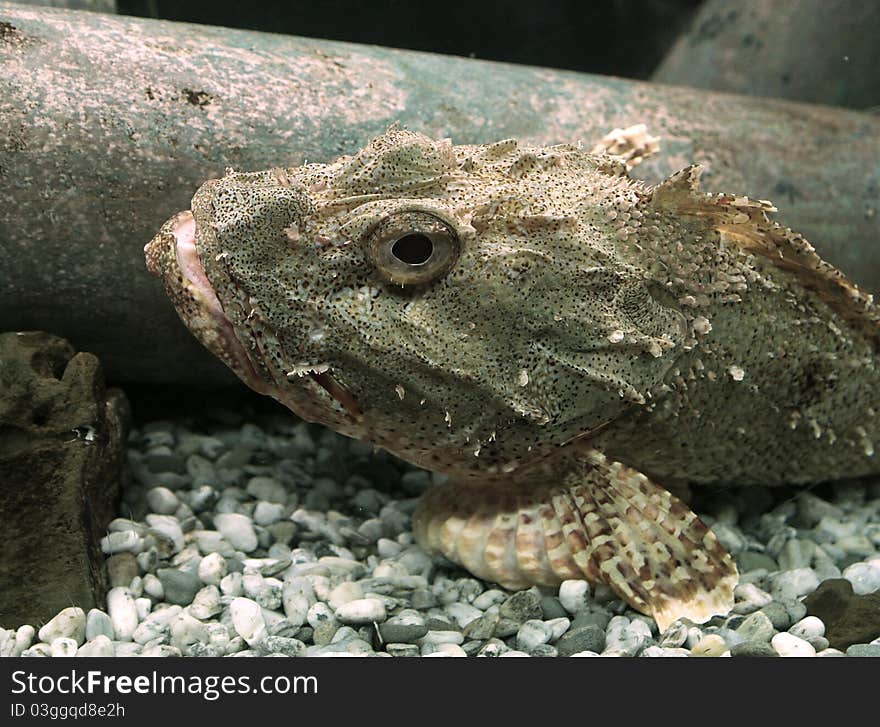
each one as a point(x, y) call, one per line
point(603, 522)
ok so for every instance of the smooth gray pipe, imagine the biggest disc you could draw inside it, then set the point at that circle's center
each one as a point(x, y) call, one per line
point(109, 124)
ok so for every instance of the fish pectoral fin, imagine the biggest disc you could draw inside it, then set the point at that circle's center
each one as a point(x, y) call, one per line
point(603, 522)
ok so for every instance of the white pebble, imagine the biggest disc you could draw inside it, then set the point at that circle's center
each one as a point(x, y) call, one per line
point(206, 603)
point(126, 541)
point(69, 622)
point(489, 598)
point(168, 527)
point(63, 646)
point(442, 637)
point(361, 611)
point(345, 592)
point(449, 650)
point(24, 637)
point(212, 569)
point(865, 577)
point(319, 613)
point(295, 603)
point(100, 645)
point(143, 606)
point(123, 613)
point(155, 625)
point(184, 630)
point(231, 585)
point(574, 595)
point(153, 587)
point(266, 513)
point(531, 634)
point(557, 626)
point(162, 501)
point(238, 530)
point(808, 627)
point(462, 613)
point(247, 620)
point(787, 644)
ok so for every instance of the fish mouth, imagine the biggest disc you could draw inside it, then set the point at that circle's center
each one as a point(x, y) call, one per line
point(173, 256)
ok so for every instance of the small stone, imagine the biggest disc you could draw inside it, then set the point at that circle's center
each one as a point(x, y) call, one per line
point(143, 607)
point(121, 569)
point(531, 634)
point(574, 595)
point(482, 628)
point(345, 592)
point(153, 587)
point(123, 613)
point(324, 632)
point(551, 608)
point(749, 598)
point(231, 585)
point(99, 645)
point(674, 636)
point(443, 637)
point(206, 603)
point(793, 584)
point(268, 489)
point(489, 598)
point(787, 644)
point(522, 606)
point(402, 650)
point(126, 541)
point(361, 611)
point(283, 645)
point(98, 624)
point(63, 646)
point(184, 629)
point(808, 627)
point(757, 627)
point(865, 577)
point(212, 569)
point(247, 620)
point(819, 643)
point(863, 650)
point(753, 648)
point(167, 527)
point(68, 623)
point(401, 633)
point(541, 650)
point(463, 613)
point(709, 645)
point(162, 501)
point(557, 626)
point(778, 615)
point(583, 638)
point(660, 651)
point(267, 513)
point(237, 530)
point(179, 586)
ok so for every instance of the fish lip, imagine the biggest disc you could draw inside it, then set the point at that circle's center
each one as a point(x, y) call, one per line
point(172, 254)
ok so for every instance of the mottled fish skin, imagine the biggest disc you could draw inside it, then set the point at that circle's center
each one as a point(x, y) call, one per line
point(504, 313)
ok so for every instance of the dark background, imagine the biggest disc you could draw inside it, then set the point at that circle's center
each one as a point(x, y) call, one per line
point(616, 37)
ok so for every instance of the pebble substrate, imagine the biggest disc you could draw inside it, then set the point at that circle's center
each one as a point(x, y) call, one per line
point(279, 538)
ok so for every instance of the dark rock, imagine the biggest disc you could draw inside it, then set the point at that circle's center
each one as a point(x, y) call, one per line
point(778, 615)
point(849, 618)
point(61, 463)
point(585, 638)
point(552, 608)
point(121, 569)
point(522, 606)
point(752, 648)
point(482, 627)
point(399, 633)
point(507, 627)
point(180, 586)
point(591, 617)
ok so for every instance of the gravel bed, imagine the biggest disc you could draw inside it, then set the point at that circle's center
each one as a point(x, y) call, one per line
point(277, 538)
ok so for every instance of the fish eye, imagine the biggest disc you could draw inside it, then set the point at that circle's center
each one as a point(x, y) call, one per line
point(413, 248)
